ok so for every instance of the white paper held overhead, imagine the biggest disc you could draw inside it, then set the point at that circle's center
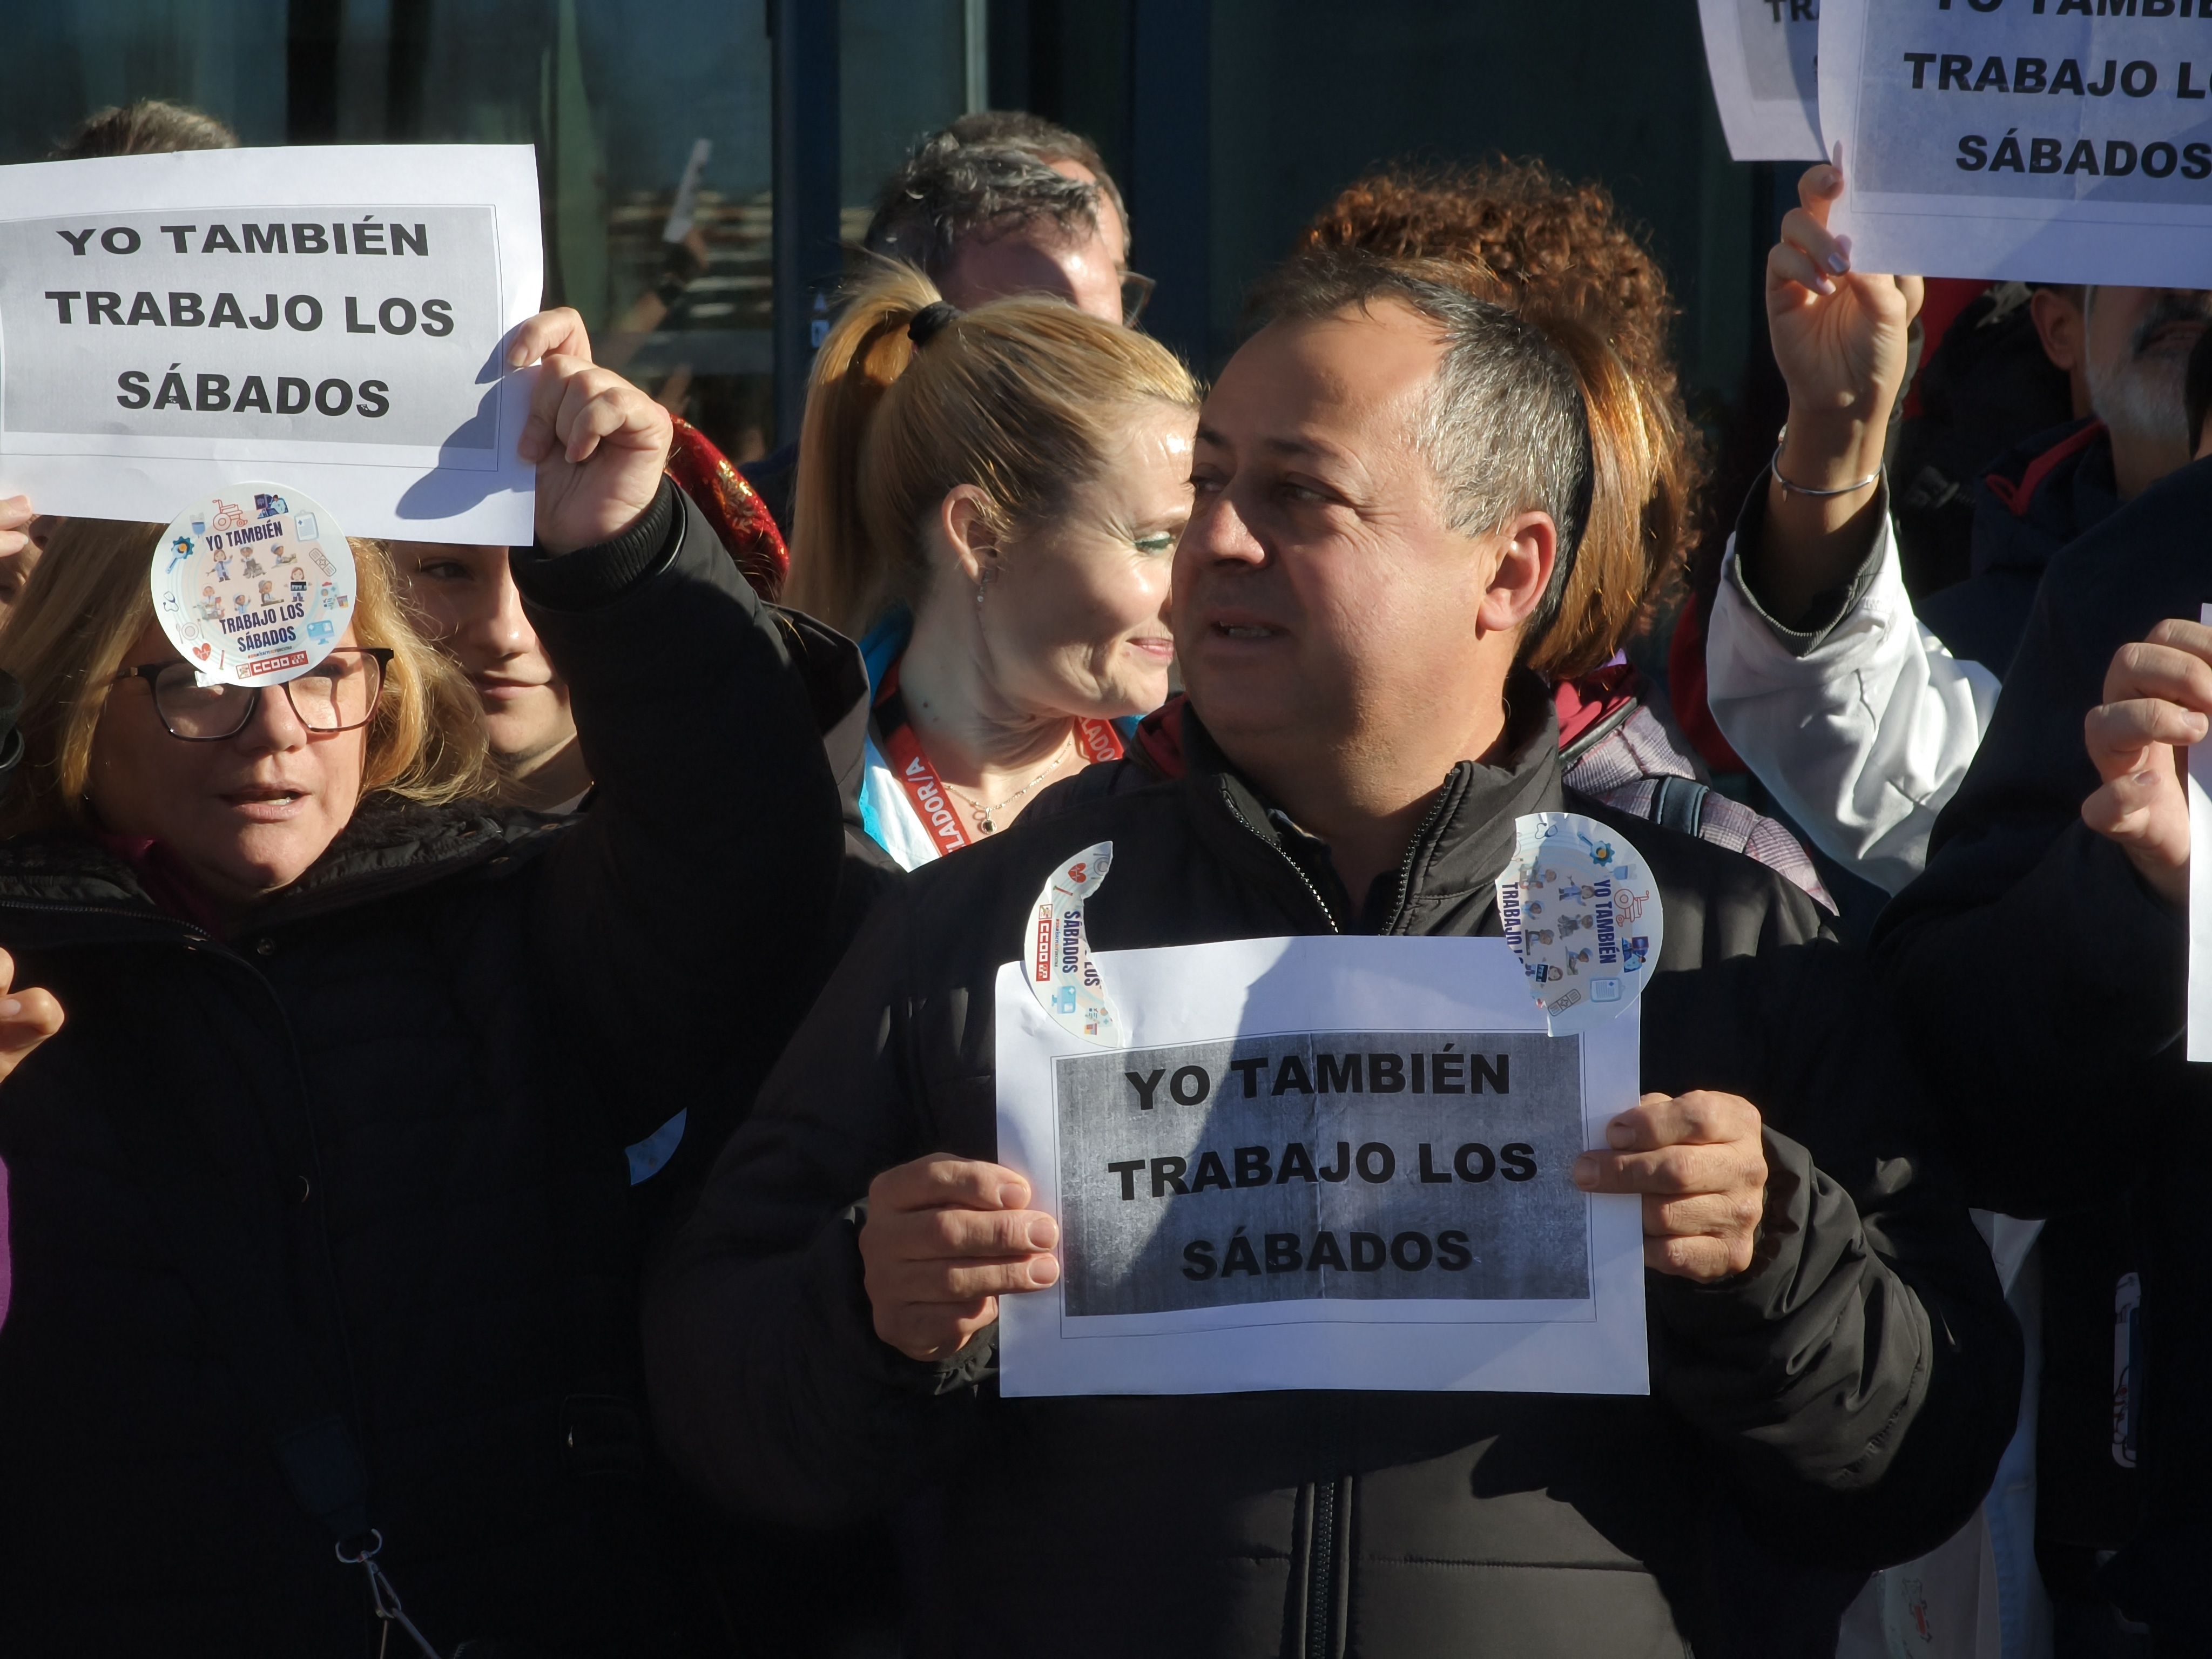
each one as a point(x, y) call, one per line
point(1759, 55)
point(2018, 141)
point(332, 317)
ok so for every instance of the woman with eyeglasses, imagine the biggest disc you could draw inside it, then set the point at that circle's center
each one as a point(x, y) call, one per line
point(989, 501)
point(319, 1246)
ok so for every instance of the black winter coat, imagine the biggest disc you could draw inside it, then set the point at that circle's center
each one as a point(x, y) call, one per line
point(1844, 1403)
point(407, 1083)
point(2048, 985)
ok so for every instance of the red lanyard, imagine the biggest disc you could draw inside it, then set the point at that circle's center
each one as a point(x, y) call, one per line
point(933, 801)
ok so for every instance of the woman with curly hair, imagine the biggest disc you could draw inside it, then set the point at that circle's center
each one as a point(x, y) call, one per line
point(1525, 237)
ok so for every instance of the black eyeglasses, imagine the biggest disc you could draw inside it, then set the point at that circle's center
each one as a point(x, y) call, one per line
point(338, 694)
point(1136, 294)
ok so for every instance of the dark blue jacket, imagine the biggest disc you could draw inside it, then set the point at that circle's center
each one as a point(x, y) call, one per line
point(2034, 501)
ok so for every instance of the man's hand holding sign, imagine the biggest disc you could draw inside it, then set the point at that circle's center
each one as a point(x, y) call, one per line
point(1698, 1163)
point(944, 1239)
point(947, 1237)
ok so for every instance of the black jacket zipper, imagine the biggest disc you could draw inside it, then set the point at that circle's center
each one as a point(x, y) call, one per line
point(1304, 880)
point(1327, 1586)
point(1446, 799)
point(1330, 1499)
point(158, 926)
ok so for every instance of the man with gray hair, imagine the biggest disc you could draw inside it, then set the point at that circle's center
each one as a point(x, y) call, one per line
point(974, 209)
point(1392, 478)
point(999, 203)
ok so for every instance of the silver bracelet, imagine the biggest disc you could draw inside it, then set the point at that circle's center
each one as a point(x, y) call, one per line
point(1789, 489)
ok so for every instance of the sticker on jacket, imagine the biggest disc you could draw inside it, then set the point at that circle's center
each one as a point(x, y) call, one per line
point(1062, 977)
point(1581, 911)
point(253, 586)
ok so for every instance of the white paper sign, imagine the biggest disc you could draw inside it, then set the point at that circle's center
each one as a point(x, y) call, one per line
point(2041, 142)
point(1332, 1163)
point(332, 317)
point(1760, 55)
point(2200, 890)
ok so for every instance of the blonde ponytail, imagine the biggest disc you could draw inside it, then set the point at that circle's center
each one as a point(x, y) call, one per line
point(836, 574)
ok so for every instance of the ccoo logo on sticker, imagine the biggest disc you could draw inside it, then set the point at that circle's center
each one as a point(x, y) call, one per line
point(254, 585)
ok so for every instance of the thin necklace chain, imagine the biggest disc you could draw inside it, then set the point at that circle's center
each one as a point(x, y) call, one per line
point(985, 814)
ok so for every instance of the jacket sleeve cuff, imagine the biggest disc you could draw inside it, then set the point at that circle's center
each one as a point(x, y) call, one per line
point(840, 1291)
point(1830, 608)
point(591, 577)
point(1768, 1289)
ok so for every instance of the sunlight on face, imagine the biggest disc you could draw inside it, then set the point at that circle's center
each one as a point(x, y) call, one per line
point(245, 816)
point(1076, 621)
point(1320, 595)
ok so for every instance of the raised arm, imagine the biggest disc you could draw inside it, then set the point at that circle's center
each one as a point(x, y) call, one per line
point(1863, 724)
point(682, 925)
point(1840, 338)
point(1818, 673)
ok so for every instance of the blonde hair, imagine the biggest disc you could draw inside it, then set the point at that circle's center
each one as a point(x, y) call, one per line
point(88, 600)
point(1023, 397)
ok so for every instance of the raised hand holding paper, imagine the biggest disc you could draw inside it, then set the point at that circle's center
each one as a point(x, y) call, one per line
point(1760, 55)
point(2042, 140)
point(332, 316)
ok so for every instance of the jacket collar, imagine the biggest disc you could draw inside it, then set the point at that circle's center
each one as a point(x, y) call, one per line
point(390, 846)
point(1455, 857)
point(2051, 489)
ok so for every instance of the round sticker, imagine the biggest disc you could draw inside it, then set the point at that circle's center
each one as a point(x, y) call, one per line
point(1062, 976)
point(254, 585)
point(1581, 911)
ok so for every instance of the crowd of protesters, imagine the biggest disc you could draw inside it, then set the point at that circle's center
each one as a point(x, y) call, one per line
point(497, 1136)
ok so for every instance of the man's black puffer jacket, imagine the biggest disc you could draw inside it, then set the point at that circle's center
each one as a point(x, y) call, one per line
point(1844, 1403)
point(410, 1078)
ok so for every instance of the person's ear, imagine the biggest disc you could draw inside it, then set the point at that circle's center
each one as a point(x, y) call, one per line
point(2059, 326)
point(1523, 575)
point(963, 519)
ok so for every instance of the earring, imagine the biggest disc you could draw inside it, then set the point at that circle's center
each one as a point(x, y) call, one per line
point(981, 583)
